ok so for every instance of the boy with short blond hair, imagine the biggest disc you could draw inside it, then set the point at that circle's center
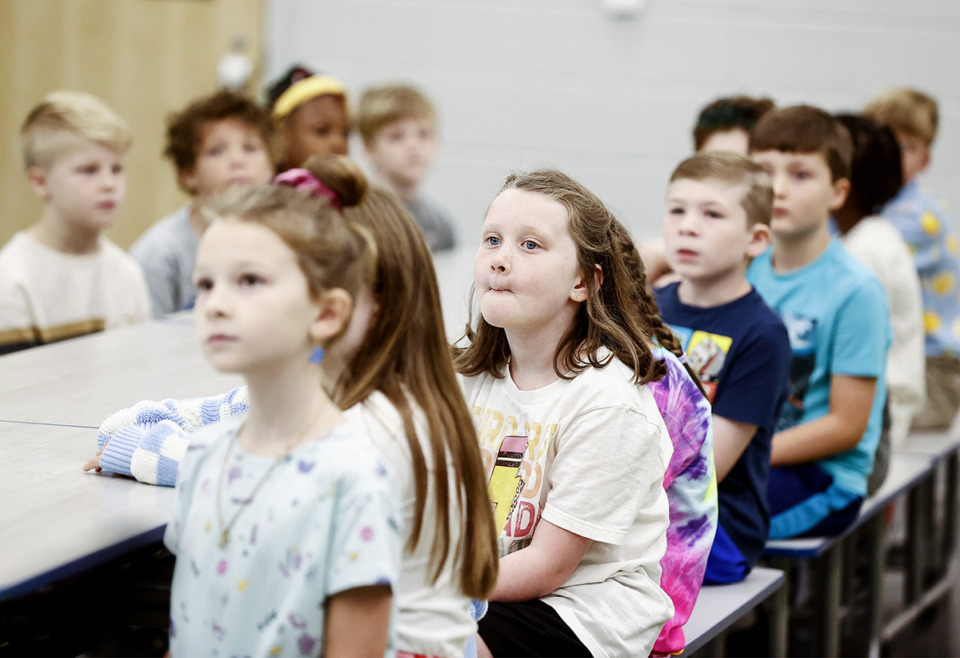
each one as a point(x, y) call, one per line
point(398, 126)
point(837, 317)
point(61, 277)
point(216, 142)
point(913, 117)
point(718, 216)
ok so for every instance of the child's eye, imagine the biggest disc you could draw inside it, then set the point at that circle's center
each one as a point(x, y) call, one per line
point(204, 284)
point(117, 169)
point(801, 175)
point(713, 214)
point(89, 169)
point(250, 279)
point(530, 245)
point(215, 151)
point(322, 131)
point(492, 241)
point(252, 147)
point(676, 210)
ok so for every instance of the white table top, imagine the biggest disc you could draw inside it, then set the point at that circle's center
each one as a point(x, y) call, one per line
point(84, 380)
point(58, 520)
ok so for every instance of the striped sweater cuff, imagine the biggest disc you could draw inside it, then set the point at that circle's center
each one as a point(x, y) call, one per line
point(118, 455)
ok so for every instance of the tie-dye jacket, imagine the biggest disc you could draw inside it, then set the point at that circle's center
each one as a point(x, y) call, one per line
point(691, 485)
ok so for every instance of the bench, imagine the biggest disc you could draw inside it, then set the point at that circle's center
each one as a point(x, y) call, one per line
point(927, 561)
point(827, 556)
point(720, 606)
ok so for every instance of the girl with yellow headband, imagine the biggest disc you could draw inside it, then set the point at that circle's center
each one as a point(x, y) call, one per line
point(311, 115)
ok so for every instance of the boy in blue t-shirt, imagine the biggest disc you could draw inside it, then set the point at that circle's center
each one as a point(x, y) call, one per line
point(718, 215)
point(838, 321)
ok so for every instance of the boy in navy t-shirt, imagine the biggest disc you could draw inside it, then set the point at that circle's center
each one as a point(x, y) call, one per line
point(718, 216)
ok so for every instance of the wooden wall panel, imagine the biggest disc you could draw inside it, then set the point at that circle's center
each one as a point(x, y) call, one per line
point(145, 58)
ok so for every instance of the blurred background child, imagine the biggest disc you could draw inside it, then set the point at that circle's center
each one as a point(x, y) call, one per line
point(875, 178)
point(216, 142)
point(311, 116)
point(398, 125)
point(61, 277)
point(914, 118)
point(725, 124)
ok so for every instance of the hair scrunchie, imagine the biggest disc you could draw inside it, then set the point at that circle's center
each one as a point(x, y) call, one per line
point(305, 181)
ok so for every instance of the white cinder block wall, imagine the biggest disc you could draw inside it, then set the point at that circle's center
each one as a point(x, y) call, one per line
point(522, 83)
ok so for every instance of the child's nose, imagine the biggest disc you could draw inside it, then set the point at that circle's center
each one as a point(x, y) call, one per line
point(215, 302)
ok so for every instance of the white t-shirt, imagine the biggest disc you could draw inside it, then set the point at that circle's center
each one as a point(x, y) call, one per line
point(877, 244)
point(588, 455)
point(433, 618)
point(47, 295)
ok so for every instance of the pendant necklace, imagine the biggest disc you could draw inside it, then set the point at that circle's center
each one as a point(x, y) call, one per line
point(225, 528)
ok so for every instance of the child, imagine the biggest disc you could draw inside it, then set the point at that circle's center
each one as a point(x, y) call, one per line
point(398, 125)
point(305, 543)
point(310, 113)
point(913, 117)
point(718, 216)
point(216, 142)
point(553, 372)
point(400, 385)
point(61, 277)
point(875, 178)
point(838, 321)
point(724, 124)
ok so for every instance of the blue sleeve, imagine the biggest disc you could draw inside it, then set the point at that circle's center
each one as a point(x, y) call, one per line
point(366, 543)
point(147, 440)
point(754, 383)
point(150, 453)
point(861, 332)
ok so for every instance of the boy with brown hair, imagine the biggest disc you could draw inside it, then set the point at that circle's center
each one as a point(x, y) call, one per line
point(718, 219)
point(398, 125)
point(62, 277)
point(218, 141)
point(914, 118)
point(837, 317)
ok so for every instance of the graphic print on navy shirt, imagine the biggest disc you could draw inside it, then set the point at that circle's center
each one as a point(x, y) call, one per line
point(802, 331)
point(706, 355)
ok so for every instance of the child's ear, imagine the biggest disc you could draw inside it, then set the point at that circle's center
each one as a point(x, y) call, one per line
point(188, 181)
point(37, 178)
point(759, 240)
point(925, 161)
point(580, 290)
point(841, 188)
point(333, 315)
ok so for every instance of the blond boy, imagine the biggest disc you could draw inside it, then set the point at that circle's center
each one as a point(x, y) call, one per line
point(216, 142)
point(913, 117)
point(61, 277)
point(399, 131)
point(718, 219)
point(837, 317)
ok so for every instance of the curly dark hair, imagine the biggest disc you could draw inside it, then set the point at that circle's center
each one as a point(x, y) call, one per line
point(185, 128)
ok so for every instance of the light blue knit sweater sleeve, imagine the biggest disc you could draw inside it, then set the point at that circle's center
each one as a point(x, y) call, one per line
point(148, 440)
